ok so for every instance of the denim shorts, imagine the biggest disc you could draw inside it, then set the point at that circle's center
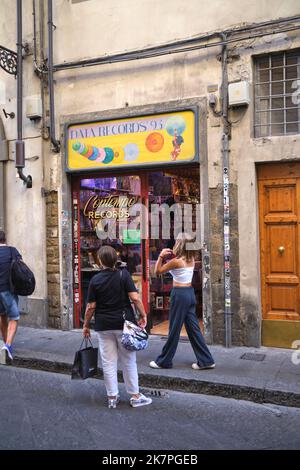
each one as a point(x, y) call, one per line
point(9, 305)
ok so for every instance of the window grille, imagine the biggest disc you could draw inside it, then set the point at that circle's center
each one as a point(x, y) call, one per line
point(277, 94)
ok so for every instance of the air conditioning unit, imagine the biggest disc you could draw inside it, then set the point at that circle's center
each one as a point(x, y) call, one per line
point(238, 94)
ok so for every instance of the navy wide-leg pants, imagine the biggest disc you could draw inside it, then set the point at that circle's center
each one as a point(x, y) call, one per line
point(183, 311)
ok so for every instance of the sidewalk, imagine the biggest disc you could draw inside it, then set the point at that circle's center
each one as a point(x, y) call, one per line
point(265, 375)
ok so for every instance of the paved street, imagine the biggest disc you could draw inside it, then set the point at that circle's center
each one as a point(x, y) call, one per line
point(274, 379)
point(42, 410)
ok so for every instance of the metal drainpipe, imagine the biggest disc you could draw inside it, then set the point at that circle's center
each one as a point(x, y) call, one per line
point(55, 142)
point(20, 144)
point(39, 70)
point(3, 158)
point(226, 200)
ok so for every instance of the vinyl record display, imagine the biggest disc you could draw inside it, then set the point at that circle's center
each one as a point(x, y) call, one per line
point(131, 152)
point(154, 142)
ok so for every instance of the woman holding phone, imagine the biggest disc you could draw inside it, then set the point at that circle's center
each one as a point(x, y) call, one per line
point(182, 306)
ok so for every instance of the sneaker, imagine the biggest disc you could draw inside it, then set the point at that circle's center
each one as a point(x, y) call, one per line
point(196, 367)
point(141, 401)
point(112, 402)
point(8, 350)
point(154, 365)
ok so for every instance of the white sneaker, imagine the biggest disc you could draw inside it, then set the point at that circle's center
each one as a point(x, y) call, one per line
point(196, 367)
point(154, 365)
point(113, 402)
point(141, 401)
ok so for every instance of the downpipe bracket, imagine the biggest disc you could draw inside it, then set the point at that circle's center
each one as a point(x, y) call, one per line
point(20, 163)
point(27, 180)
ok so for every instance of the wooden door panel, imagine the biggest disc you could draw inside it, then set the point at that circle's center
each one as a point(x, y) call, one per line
point(278, 171)
point(282, 303)
point(281, 198)
point(279, 212)
point(282, 279)
point(282, 242)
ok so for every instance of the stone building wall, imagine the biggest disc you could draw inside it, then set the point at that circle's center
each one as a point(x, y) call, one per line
point(53, 270)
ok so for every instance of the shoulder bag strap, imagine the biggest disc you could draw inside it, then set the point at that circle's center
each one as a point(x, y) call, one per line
point(122, 294)
point(13, 259)
point(12, 254)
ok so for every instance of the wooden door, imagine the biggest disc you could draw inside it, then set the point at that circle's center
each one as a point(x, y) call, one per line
point(279, 213)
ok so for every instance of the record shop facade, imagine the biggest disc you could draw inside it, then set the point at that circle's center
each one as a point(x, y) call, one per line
point(133, 180)
point(198, 115)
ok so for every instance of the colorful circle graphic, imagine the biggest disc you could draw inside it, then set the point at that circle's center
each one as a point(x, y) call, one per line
point(101, 155)
point(154, 142)
point(76, 146)
point(84, 150)
point(131, 152)
point(95, 154)
point(109, 155)
point(175, 123)
point(119, 152)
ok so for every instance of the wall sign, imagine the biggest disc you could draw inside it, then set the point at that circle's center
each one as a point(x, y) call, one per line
point(108, 207)
point(167, 138)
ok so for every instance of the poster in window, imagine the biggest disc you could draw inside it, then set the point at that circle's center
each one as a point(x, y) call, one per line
point(167, 302)
point(159, 302)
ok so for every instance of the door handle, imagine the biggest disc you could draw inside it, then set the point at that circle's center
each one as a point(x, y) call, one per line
point(281, 249)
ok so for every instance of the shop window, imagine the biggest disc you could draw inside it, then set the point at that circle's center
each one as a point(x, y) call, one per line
point(170, 187)
point(99, 195)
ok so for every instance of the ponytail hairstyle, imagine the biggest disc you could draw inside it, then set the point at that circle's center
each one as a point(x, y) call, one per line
point(183, 250)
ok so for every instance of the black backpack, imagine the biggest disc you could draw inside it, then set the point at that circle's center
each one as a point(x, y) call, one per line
point(22, 280)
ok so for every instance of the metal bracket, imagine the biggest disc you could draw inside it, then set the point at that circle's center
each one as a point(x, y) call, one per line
point(8, 60)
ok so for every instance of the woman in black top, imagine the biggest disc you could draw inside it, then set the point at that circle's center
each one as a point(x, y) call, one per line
point(109, 295)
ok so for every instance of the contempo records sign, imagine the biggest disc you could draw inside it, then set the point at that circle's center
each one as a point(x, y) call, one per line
point(158, 139)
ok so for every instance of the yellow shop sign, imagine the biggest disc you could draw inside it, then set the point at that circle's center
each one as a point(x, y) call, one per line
point(140, 141)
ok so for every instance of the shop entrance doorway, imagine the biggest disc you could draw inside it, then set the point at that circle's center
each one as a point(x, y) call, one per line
point(101, 197)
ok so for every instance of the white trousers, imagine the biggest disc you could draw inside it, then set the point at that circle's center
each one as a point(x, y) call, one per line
point(111, 350)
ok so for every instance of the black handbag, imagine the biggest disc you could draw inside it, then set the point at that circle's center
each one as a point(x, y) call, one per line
point(85, 362)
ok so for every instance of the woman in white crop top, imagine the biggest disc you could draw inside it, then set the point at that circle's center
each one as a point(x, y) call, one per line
point(182, 306)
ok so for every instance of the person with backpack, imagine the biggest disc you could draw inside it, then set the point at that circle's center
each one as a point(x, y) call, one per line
point(9, 311)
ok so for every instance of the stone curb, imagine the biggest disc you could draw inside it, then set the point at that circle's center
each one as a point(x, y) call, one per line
point(238, 392)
